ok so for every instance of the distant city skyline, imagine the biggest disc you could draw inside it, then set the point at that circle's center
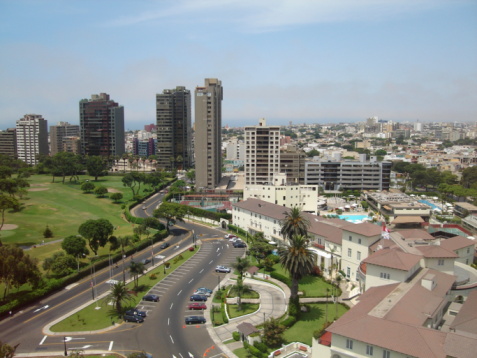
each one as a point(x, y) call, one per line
point(303, 61)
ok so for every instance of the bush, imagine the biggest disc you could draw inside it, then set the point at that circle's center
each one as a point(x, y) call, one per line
point(224, 313)
point(152, 276)
point(47, 234)
point(294, 307)
point(236, 335)
point(279, 277)
point(288, 322)
point(262, 347)
point(256, 352)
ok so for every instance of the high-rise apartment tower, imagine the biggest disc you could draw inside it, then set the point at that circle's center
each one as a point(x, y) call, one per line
point(8, 143)
point(262, 153)
point(32, 138)
point(208, 136)
point(173, 126)
point(58, 134)
point(101, 126)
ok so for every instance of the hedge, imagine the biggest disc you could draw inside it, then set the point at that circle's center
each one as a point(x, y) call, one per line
point(286, 280)
point(224, 313)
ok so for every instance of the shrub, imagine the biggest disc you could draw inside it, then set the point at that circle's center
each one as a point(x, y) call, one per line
point(294, 307)
point(255, 352)
point(152, 276)
point(279, 277)
point(236, 335)
point(317, 271)
point(288, 322)
point(47, 233)
point(262, 347)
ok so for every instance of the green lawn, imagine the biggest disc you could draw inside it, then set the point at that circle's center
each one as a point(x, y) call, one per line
point(302, 330)
point(90, 318)
point(311, 286)
point(247, 308)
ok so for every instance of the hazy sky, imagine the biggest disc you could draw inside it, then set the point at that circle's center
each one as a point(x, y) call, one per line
point(314, 61)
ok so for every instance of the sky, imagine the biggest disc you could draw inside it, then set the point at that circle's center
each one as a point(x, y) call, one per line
point(304, 61)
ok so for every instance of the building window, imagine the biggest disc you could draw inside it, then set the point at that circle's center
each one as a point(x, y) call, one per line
point(348, 272)
point(386, 354)
point(349, 252)
point(440, 262)
point(384, 275)
point(369, 350)
point(350, 238)
point(349, 344)
point(359, 241)
point(358, 255)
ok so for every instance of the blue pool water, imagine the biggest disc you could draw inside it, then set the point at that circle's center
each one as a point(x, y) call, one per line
point(353, 218)
point(434, 206)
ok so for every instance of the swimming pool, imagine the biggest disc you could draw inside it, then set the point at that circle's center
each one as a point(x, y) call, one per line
point(355, 219)
point(433, 206)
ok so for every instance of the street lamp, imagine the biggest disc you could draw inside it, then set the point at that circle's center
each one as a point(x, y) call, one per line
point(64, 341)
point(218, 281)
point(152, 252)
point(164, 265)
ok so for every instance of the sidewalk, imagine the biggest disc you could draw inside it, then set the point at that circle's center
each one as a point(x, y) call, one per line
point(273, 303)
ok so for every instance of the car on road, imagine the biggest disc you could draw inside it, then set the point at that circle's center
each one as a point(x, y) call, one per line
point(234, 239)
point(196, 306)
point(198, 298)
point(144, 207)
point(229, 236)
point(202, 292)
point(194, 319)
point(239, 244)
point(145, 261)
point(135, 311)
point(222, 269)
point(151, 298)
point(133, 318)
point(164, 245)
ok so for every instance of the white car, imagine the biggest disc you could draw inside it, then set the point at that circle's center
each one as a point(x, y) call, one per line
point(222, 269)
point(233, 239)
point(202, 292)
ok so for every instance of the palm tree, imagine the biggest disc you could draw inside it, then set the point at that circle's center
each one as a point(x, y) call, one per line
point(241, 265)
point(121, 242)
point(298, 260)
point(119, 293)
point(240, 289)
point(136, 269)
point(294, 224)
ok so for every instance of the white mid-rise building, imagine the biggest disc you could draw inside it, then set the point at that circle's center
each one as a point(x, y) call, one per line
point(32, 138)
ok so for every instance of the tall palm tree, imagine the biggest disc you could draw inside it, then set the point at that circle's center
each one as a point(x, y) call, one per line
point(119, 293)
point(240, 289)
point(241, 265)
point(294, 224)
point(136, 269)
point(298, 260)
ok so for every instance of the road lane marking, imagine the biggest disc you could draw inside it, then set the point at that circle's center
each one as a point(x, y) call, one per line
point(191, 280)
point(168, 321)
point(219, 254)
point(43, 340)
point(171, 339)
point(218, 249)
point(201, 271)
point(211, 261)
point(172, 304)
point(179, 292)
point(111, 345)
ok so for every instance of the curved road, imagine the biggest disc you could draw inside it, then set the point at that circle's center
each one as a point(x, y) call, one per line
point(163, 334)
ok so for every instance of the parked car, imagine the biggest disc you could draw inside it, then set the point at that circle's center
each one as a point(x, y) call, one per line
point(194, 319)
point(222, 269)
point(133, 318)
point(235, 238)
point(164, 245)
point(239, 244)
point(229, 236)
point(137, 312)
point(205, 289)
point(202, 292)
point(152, 298)
point(197, 306)
point(198, 298)
point(145, 261)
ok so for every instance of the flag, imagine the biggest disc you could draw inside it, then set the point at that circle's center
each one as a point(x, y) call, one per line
point(385, 232)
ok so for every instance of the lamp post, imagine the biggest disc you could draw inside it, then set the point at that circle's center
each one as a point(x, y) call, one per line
point(263, 317)
point(164, 265)
point(152, 252)
point(64, 341)
point(218, 281)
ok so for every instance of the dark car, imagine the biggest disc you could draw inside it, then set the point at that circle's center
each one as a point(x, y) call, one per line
point(137, 312)
point(133, 318)
point(152, 298)
point(164, 245)
point(194, 319)
point(239, 244)
point(198, 298)
point(196, 306)
point(145, 261)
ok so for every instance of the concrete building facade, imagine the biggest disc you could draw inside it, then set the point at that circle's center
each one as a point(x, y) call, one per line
point(8, 142)
point(32, 138)
point(101, 126)
point(58, 134)
point(208, 134)
point(174, 130)
point(262, 153)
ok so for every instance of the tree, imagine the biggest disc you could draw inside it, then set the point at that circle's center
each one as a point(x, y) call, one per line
point(97, 232)
point(74, 245)
point(298, 260)
point(312, 153)
point(241, 265)
point(152, 223)
point(469, 177)
point(17, 268)
point(116, 197)
point(294, 224)
point(100, 191)
point(136, 269)
point(96, 166)
point(62, 264)
point(133, 181)
point(191, 175)
point(119, 294)
point(171, 213)
point(7, 202)
point(47, 234)
point(240, 289)
point(7, 351)
point(272, 333)
point(380, 152)
point(122, 243)
point(87, 187)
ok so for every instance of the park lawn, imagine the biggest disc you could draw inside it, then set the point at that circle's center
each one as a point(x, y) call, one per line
point(251, 294)
point(241, 353)
point(311, 286)
point(247, 308)
point(91, 319)
point(302, 330)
